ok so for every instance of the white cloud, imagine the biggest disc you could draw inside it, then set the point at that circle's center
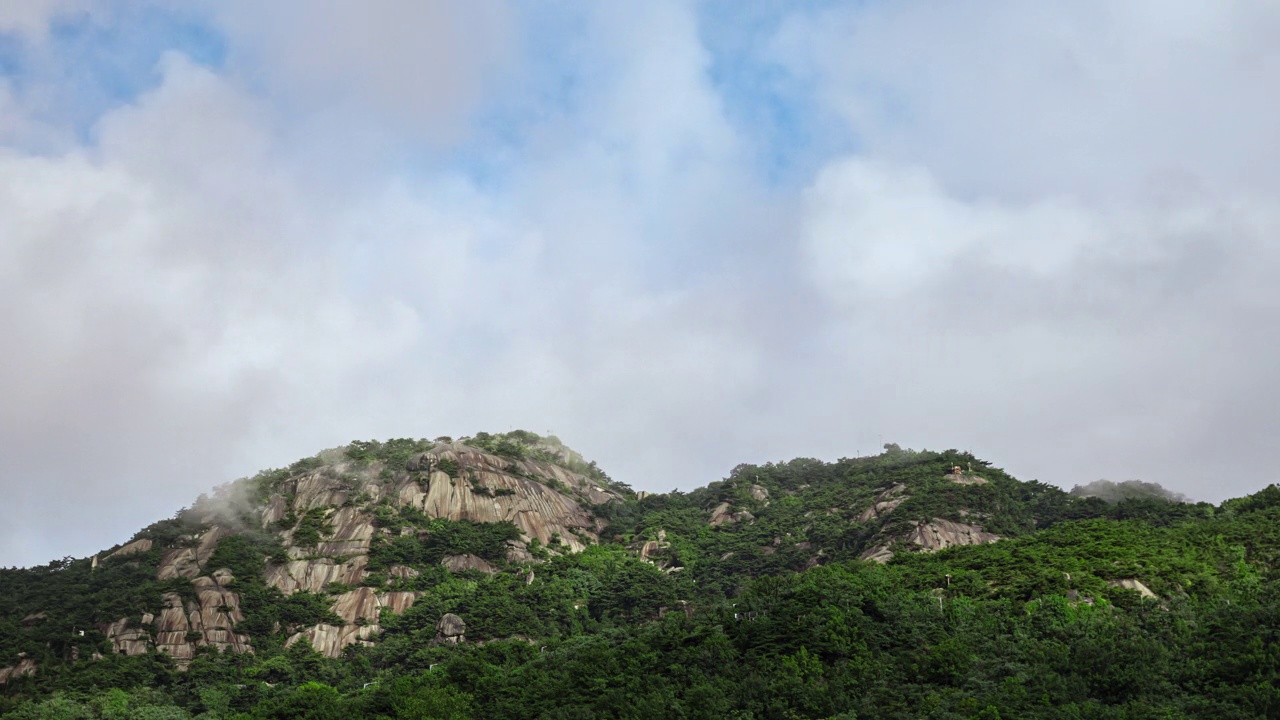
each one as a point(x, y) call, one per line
point(1056, 221)
point(1061, 261)
point(1080, 97)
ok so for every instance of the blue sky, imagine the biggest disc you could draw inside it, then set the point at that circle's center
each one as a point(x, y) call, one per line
point(679, 235)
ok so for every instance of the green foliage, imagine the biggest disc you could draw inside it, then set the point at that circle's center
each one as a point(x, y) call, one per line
point(313, 527)
point(771, 617)
point(394, 454)
point(440, 537)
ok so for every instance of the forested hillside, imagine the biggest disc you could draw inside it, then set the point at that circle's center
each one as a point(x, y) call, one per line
point(503, 576)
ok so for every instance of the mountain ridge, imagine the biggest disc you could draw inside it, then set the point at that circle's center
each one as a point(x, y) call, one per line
point(406, 548)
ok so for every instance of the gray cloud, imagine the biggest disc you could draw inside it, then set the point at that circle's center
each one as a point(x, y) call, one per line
point(240, 270)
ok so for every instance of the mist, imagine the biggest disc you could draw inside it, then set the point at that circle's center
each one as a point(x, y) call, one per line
point(1113, 492)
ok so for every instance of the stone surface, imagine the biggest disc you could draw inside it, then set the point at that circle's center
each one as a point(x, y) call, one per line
point(459, 563)
point(127, 640)
point(137, 546)
point(275, 510)
point(212, 616)
point(933, 535)
point(938, 534)
point(402, 572)
point(539, 510)
point(314, 575)
point(964, 478)
point(1136, 585)
point(361, 611)
point(450, 630)
point(188, 561)
point(352, 533)
point(884, 503)
point(760, 494)
point(517, 552)
point(721, 515)
point(25, 666)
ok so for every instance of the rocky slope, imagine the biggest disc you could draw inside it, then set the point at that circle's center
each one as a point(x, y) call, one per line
point(357, 534)
point(326, 514)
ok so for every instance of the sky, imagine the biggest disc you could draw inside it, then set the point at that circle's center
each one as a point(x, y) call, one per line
point(679, 235)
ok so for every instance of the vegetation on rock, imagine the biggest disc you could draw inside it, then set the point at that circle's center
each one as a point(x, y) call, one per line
point(771, 612)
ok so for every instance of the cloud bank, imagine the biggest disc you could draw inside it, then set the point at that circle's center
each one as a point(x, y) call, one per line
point(1044, 234)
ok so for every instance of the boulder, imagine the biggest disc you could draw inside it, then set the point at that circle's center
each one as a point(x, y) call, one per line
point(1135, 585)
point(721, 515)
point(459, 563)
point(402, 572)
point(450, 630)
point(938, 534)
point(518, 552)
point(760, 494)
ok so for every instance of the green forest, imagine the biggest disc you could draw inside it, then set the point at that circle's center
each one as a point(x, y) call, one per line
point(747, 598)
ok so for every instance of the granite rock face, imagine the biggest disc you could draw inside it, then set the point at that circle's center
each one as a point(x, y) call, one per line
point(187, 561)
point(938, 534)
point(930, 536)
point(137, 546)
point(313, 575)
point(361, 610)
point(208, 621)
point(453, 481)
point(884, 503)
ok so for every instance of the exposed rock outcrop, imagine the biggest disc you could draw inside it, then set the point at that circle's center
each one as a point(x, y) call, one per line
point(540, 498)
point(518, 552)
point(25, 666)
point(760, 494)
point(313, 575)
point(277, 507)
point(361, 611)
point(1135, 585)
point(404, 572)
point(964, 478)
point(140, 545)
point(722, 515)
point(459, 563)
point(884, 503)
point(933, 535)
point(352, 533)
point(511, 493)
point(179, 629)
point(188, 561)
point(938, 534)
point(656, 552)
point(125, 639)
point(211, 617)
point(879, 553)
point(451, 630)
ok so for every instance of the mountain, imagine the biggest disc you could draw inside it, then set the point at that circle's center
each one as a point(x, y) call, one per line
point(505, 576)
